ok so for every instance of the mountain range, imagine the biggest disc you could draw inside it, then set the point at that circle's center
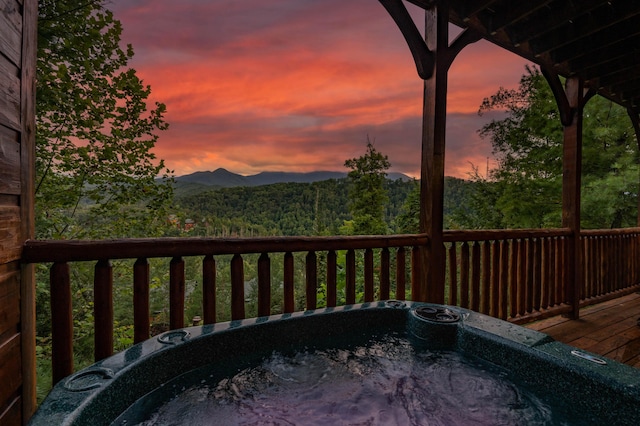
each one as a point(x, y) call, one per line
point(223, 178)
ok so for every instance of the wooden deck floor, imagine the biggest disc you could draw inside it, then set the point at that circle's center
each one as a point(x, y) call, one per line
point(609, 329)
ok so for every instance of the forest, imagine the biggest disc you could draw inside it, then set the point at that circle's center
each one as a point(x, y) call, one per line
point(318, 208)
point(112, 186)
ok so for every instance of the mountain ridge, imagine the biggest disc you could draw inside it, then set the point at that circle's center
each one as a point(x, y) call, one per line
point(223, 178)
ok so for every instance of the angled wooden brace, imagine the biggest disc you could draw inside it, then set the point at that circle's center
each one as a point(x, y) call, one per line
point(567, 110)
point(422, 56)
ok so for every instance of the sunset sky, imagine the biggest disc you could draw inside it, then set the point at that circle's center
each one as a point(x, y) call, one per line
point(298, 85)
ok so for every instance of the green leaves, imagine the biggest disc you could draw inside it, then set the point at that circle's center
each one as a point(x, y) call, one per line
point(95, 130)
point(525, 190)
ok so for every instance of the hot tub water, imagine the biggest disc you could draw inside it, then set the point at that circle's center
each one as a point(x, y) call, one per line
point(385, 382)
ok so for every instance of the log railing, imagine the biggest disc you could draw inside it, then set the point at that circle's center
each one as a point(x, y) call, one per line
point(516, 275)
point(519, 275)
point(61, 253)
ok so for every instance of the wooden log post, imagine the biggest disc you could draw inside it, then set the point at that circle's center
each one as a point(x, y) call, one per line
point(634, 115)
point(61, 322)
point(141, 322)
point(103, 310)
point(571, 100)
point(432, 57)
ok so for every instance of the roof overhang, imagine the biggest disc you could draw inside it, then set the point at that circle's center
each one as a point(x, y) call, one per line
point(596, 40)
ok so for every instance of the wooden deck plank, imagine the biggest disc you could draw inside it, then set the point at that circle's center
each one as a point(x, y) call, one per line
point(608, 329)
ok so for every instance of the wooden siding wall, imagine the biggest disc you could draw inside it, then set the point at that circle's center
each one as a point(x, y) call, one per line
point(17, 68)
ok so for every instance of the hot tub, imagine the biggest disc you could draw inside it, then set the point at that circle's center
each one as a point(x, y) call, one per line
point(390, 362)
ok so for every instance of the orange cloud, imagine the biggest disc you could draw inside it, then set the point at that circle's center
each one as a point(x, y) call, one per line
point(297, 86)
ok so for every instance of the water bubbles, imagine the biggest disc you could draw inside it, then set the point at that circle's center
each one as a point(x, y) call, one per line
point(385, 382)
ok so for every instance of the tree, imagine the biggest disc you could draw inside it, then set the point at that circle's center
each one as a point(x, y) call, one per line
point(368, 193)
point(526, 186)
point(95, 172)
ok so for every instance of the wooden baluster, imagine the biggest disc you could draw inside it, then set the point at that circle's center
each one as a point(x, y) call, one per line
point(537, 275)
point(553, 267)
point(401, 262)
point(464, 275)
point(140, 300)
point(562, 249)
point(522, 276)
point(332, 280)
point(494, 293)
point(594, 261)
point(237, 288)
point(607, 269)
point(475, 276)
point(453, 275)
point(312, 280)
point(350, 285)
point(61, 321)
point(289, 301)
point(416, 277)
point(486, 277)
point(368, 275)
point(546, 270)
point(531, 253)
point(513, 278)
point(385, 282)
point(620, 261)
point(264, 285)
point(586, 273)
point(176, 293)
point(103, 310)
point(209, 289)
point(504, 279)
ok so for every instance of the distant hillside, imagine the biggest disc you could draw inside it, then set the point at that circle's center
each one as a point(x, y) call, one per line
point(225, 179)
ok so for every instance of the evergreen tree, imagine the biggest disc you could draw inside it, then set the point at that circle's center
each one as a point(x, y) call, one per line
point(368, 193)
point(525, 190)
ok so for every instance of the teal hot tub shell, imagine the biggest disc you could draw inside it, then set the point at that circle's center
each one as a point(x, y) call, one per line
point(126, 387)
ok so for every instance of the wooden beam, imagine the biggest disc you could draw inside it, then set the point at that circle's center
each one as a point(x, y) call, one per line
point(571, 183)
point(433, 150)
point(422, 56)
point(27, 159)
point(634, 115)
point(433, 57)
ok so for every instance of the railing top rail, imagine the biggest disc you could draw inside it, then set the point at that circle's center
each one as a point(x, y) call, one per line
point(38, 251)
point(502, 234)
point(605, 232)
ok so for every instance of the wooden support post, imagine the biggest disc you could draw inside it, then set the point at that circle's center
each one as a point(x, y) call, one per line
point(433, 57)
point(571, 102)
point(432, 263)
point(634, 115)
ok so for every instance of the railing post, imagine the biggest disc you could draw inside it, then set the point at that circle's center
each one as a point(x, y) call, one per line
point(332, 261)
point(264, 285)
point(312, 280)
point(209, 289)
point(141, 300)
point(289, 304)
point(237, 288)
point(103, 310)
point(384, 274)
point(368, 275)
point(176, 293)
point(61, 321)
point(401, 269)
point(350, 285)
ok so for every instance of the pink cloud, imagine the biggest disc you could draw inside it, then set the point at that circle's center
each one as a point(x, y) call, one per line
point(289, 85)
